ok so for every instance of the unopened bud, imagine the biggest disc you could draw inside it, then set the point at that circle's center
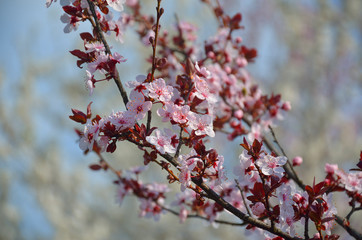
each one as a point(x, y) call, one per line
point(297, 161)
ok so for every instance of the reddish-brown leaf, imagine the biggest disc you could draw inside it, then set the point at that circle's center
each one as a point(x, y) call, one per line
point(95, 167)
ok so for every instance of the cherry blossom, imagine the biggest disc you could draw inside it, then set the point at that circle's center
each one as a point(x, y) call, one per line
point(138, 106)
point(116, 4)
point(166, 112)
point(201, 124)
point(90, 82)
point(272, 165)
point(258, 208)
point(90, 134)
point(246, 171)
point(71, 21)
point(202, 90)
point(95, 46)
point(162, 141)
point(330, 212)
point(255, 132)
point(180, 113)
point(159, 90)
point(122, 120)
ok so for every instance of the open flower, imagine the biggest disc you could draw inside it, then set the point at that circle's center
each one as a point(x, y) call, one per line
point(116, 4)
point(159, 90)
point(138, 106)
point(272, 165)
point(201, 124)
point(162, 141)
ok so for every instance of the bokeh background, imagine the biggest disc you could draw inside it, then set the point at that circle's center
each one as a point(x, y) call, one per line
point(309, 51)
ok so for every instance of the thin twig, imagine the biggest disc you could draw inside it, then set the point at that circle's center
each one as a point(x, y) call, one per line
point(204, 218)
point(154, 43)
point(115, 75)
point(242, 195)
point(280, 147)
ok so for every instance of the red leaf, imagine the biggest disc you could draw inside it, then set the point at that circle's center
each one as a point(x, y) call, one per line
point(317, 188)
point(245, 145)
point(309, 190)
point(360, 161)
point(95, 167)
point(111, 147)
point(89, 111)
point(78, 116)
point(87, 36)
point(257, 146)
point(200, 148)
point(70, 10)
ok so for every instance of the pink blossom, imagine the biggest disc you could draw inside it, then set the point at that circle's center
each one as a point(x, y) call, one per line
point(353, 182)
point(90, 82)
point(297, 161)
point(185, 178)
point(258, 208)
point(146, 38)
point(201, 124)
point(95, 47)
point(49, 2)
point(138, 106)
point(159, 90)
point(116, 4)
point(255, 132)
point(246, 171)
point(238, 114)
point(90, 134)
point(329, 211)
point(202, 90)
point(102, 57)
point(241, 62)
point(131, 3)
point(189, 29)
point(183, 213)
point(162, 141)
point(180, 113)
point(188, 163)
point(286, 106)
point(285, 196)
point(166, 111)
point(330, 168)
point(122, 120)
point(135, 83)
point(272, 165)
point(203, 70)
point(181, 200)
point(150, 209)
point(71, 21)
point(123, 190)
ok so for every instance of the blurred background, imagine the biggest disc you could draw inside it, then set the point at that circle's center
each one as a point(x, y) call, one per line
point(309, 51)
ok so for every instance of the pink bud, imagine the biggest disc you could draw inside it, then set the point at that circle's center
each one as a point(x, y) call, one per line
point(286, 106)
point(297, 161)
point(238, 39)
point(234, 123)
point(297, 198)
point(211, 55)
point(241, 61)
point(238, 114)
point(330, 168)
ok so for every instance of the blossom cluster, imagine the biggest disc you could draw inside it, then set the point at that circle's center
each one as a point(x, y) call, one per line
point(197, 95)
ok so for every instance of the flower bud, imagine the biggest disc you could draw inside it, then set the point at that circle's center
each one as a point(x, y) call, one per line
point(297, 161)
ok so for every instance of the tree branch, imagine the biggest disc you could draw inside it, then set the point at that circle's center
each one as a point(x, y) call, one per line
point(98, 29)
